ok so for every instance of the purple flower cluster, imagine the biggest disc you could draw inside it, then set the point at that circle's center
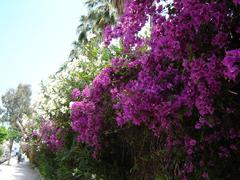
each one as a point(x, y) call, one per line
point(88, 114)
point(76, 93)
point(50, 134)
point(175, 89)
point(34, 133)
point(236, 2)
point(231, 61)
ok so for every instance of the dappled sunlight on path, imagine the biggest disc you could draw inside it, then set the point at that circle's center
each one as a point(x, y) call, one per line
point(22, 171)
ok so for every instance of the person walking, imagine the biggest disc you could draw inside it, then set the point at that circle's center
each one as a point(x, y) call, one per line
point(19, 157)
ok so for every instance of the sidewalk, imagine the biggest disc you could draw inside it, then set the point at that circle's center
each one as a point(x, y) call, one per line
point(22, 171)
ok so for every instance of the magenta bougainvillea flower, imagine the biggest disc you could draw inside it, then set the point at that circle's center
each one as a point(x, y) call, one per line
point(75, 93)
point(51, 135)
point(178, 88)
point(231, 61)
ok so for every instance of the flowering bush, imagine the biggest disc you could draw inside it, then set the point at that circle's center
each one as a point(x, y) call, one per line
point(161, 100)
point(88, 114)
point(56, 93)
point(51, 142)
point(50, 135)
point(183, 88)
point(55, 96)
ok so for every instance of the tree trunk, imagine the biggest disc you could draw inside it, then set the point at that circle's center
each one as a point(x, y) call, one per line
point(119, 5)
point(20, 125)
point(10, 150)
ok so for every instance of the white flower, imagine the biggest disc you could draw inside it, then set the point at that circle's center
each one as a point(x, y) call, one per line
point(64, 109)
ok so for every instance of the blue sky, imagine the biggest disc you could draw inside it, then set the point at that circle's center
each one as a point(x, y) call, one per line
point(35, 39)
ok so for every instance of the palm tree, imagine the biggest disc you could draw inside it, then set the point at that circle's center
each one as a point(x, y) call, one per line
point(101, 13)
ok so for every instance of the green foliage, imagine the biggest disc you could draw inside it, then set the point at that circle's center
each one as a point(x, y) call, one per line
point(46, 164)
point(14, 134)
point(100, 14)
point(3, 134)
point(162, 177)
point(55, 94)
point(16, 105)
point(1, 151)
point(124, 156)
point(75, 160)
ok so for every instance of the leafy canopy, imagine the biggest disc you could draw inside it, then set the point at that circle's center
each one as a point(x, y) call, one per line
point(16, 104)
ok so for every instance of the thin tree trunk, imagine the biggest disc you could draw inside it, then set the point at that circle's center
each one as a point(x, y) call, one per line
point(10, 150)
point(119, 5)
point(20, 125)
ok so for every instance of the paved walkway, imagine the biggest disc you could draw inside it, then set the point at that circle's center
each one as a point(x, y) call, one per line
point(22, 171)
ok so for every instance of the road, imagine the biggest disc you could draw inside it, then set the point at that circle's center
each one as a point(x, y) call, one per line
point(15, 171)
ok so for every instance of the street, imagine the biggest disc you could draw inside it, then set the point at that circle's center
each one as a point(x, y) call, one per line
point(15, 171)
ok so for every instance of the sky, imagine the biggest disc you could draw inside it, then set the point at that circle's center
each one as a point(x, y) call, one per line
point(35, 39)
